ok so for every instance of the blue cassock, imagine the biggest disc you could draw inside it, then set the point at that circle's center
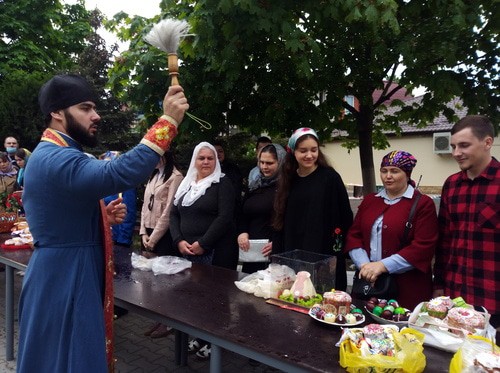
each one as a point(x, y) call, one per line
point(61, 306)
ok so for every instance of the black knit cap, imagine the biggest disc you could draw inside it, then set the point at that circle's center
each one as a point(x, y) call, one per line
point(63, 91)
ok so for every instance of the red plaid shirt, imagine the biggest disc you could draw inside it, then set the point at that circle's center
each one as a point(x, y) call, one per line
point(468, 254)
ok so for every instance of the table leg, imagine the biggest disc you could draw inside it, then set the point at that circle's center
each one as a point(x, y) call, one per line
point(184, 349)
point(178, 346)
point(9, 312)
point(181, 346)
point(215, 359)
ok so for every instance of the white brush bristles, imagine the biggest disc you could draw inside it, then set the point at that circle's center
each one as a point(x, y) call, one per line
point(167, 33)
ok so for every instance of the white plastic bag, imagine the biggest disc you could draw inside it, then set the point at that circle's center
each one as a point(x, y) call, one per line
point(167, 265)
point(269, 282)
point(141, 262)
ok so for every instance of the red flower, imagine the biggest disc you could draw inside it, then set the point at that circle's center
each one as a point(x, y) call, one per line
point(337, 235)
point(13, 202)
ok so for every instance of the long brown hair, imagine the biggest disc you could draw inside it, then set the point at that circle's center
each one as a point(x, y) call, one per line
point(288, 172)
point(169, 159)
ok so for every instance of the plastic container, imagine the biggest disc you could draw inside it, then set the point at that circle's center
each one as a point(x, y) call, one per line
point(321, 267)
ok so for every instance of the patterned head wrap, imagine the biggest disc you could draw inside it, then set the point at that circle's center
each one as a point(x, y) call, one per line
point(400, 159)
point(297, 134)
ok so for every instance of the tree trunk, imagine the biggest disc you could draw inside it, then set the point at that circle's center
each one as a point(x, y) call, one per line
point(365, 127)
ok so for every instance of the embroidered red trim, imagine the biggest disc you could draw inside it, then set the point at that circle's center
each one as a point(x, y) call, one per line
point(160, 136)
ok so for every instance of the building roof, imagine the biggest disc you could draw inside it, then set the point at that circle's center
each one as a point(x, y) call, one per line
point(401, 94)
point(439, 124)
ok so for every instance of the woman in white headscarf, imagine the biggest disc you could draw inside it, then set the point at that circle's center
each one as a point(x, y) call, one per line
point(201, 220)
point(203, 209)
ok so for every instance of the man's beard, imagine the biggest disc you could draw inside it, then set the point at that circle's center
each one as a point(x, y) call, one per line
point(78, 132)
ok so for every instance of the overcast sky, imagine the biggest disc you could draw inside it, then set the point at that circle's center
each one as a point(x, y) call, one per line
point(145, 8)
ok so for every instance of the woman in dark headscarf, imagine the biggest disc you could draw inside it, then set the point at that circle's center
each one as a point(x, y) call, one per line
point(374, 241)
point(257, 209)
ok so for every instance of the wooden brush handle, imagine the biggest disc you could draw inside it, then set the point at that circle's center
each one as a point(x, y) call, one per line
point(173, 68)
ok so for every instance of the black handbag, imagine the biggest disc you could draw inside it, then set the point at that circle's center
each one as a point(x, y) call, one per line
point(385, 286)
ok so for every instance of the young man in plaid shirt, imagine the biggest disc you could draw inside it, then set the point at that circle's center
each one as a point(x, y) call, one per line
point(468, 253)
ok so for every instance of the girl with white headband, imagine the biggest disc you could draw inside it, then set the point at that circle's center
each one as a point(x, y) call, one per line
point(312, 210)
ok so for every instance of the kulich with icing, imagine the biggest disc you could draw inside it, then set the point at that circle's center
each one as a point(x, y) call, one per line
point(303, 286)
point(465, 318)
point(438, 307)
point(340, 300)
point(374, 331)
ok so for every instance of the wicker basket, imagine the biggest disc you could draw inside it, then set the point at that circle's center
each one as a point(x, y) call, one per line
point(7, 220)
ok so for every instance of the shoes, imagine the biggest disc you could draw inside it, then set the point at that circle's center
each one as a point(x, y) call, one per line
point(204, 353)
point(152, 329)
point(162, 331)
point(193, 346)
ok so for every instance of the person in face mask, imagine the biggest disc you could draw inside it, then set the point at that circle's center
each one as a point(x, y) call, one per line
point(11, 145)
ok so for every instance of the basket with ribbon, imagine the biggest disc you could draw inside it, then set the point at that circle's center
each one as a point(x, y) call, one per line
point(10, 204)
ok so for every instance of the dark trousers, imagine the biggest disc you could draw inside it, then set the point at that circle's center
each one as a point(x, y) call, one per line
point(165, 246)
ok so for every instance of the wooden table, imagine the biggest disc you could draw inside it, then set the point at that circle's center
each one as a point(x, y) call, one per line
point(204, 302)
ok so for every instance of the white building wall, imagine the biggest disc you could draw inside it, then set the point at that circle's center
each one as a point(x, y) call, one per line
point(434, 168)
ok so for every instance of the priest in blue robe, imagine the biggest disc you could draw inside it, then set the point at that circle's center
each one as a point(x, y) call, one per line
point(66, 305)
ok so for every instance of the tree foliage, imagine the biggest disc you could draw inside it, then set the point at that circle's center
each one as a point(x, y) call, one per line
point(37, 39)
point(115, 127)
point(43, 38)
point(279, 65)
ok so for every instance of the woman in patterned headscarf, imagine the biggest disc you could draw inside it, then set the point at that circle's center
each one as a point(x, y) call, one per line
point(374, 240)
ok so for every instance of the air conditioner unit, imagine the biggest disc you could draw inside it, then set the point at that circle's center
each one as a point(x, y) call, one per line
point(441, 143)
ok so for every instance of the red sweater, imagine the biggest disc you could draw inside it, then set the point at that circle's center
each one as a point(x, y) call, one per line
point(415, 285)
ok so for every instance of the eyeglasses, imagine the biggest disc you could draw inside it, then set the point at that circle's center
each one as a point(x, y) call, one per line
point(151, 202)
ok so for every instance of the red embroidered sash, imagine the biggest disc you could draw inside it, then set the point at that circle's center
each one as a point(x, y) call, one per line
point(54, 137)
point(109, 299)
